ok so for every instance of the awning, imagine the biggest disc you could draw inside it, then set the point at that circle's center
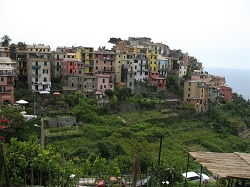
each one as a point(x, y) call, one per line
point(225, 165)
point(56, 93)
point(44, 92)
point(22, 102)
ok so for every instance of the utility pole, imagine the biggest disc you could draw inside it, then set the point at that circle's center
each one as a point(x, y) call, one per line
point(42, 133)
point(159, 158)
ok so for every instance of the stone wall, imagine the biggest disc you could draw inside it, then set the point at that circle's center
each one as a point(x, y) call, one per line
point(61, 121)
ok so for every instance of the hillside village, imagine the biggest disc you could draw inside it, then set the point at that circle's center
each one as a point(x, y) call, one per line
point(135, 63)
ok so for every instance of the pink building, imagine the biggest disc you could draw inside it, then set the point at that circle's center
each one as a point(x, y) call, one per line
point(7, 84)
point(155, 79)
point(226, 92)
point(103, 83)
point(104, 63)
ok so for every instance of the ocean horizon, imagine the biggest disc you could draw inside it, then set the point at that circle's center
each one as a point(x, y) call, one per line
point(237, 79)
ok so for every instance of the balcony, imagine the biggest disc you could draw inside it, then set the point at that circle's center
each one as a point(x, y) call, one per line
point(5, 91)
point(10, 82)
point(144, 64)
point(89, 65)
point(43, 83)
point(106, 58)
point(36, 74)
point(107, 70)
point(142, 70)
point(36, 67)
point(3, 73)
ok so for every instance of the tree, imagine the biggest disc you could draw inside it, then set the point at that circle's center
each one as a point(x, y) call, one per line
point(5, 41)
point(114, 40)
point(123, 92)
point(109, 93)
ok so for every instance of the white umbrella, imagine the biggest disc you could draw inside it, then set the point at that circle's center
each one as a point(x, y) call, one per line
point(22, 102)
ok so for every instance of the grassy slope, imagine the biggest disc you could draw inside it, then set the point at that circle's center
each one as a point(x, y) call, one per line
point(141, 133)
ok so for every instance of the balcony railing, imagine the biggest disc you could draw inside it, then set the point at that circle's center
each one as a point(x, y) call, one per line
point(36, 67)
point(36, 74)
point(43, 83)
point(107, 70)
point(5, 91)
point(90, 65)
point(2, 73)
point(107, 58)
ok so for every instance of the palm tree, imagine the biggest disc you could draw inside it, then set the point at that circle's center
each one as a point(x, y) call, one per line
point(5, 41)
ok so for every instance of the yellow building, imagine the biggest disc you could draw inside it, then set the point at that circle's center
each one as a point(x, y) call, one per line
point(152, 55)
point(196, 94)
point(86, 54)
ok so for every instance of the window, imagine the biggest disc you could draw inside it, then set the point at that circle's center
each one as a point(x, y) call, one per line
point(188, 95)
point(104, 86)
point(96, 68)
point(96, 55)
point(188, 89)
point(103, 80)
point(45, 63)
point(96, 61)
point(146, 73)
point(101, 87)
point(2, 79)
point(130, 84)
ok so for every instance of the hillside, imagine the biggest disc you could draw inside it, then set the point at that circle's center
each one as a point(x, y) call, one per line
point(124, 134)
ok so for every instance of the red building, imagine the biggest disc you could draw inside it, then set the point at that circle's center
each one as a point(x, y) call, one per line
point(226, 92)
point(155, 79)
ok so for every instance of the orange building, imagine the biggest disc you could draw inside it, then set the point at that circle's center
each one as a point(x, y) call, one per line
point(226, 92)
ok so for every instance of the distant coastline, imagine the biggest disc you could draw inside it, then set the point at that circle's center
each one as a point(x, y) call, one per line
point(237, 79)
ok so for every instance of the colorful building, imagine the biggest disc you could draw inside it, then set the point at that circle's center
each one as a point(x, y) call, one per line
point(156, 80)
point(7, 80)
point(104, 63)
point(196, 94)
point(162, 63)
point(86, 54)
point(103, 83)
point(152, 55)
point(226, 92)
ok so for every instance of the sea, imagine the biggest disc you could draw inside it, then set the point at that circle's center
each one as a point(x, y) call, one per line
point(237, 79)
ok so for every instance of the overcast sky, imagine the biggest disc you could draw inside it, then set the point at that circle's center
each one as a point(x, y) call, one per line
point(216, 32)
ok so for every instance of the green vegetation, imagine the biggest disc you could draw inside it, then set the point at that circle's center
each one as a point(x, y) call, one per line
point(116, 138)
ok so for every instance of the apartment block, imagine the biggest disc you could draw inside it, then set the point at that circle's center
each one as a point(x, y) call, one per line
point(39, 78)
point(60, 53)
point(7, 80)
point(103, 83)
point(86, 54)
point(196, 94)
point(141, 67)
point(226, 92)
point(156, 80)
point(104, 63)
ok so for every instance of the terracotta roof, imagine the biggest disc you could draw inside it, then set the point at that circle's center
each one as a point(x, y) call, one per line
point(232, 165)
